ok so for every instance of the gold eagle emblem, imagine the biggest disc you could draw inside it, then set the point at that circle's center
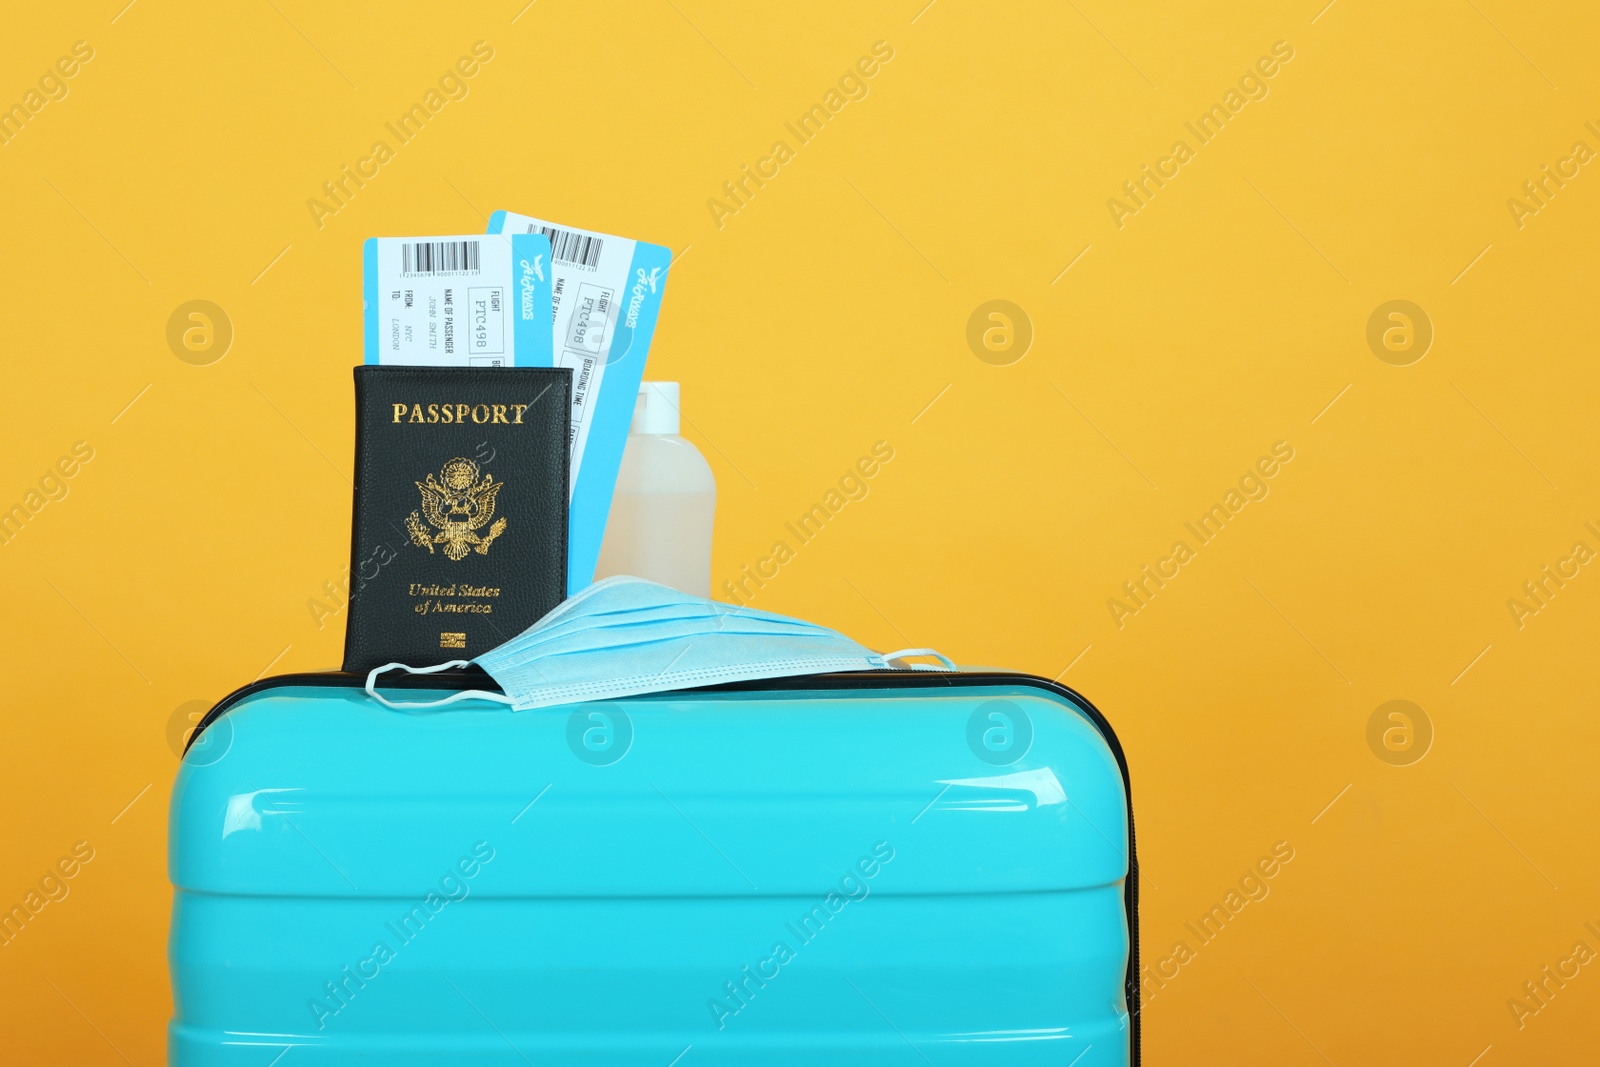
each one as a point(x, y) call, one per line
point(457, 505)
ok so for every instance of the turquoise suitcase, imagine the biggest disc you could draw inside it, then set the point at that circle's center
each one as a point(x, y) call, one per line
point(886, 868)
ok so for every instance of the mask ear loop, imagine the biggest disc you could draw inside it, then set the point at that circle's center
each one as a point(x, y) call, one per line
point(948, 664)
point(465, 694)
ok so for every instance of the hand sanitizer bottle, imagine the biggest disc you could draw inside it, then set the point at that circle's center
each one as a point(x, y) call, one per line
point(661, 512)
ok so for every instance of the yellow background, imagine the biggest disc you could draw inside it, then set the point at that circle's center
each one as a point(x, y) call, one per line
point(826, 315)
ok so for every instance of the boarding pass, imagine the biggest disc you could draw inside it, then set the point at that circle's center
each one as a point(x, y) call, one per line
point(605, 295)
point(471, 301)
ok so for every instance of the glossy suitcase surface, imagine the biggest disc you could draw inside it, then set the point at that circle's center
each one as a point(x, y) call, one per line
point(883, 868)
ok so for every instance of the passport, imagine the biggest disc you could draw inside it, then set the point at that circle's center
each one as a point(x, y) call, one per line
point(459, 529)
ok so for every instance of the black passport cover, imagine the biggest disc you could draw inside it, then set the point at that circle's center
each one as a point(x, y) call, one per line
point(458, 537)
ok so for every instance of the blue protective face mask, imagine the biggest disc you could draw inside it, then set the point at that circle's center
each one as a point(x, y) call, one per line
point(625, 636)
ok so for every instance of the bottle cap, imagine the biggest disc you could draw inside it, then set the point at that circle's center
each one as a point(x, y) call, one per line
point(656, 409)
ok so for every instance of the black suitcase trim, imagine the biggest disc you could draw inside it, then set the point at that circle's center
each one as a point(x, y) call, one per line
point(476, 678)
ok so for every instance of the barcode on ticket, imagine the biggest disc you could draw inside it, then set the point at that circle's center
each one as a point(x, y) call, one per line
point(439, 257)
point(578, 249)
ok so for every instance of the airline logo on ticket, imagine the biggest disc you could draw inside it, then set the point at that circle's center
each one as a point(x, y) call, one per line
point(471, 301)
point(606, 294)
